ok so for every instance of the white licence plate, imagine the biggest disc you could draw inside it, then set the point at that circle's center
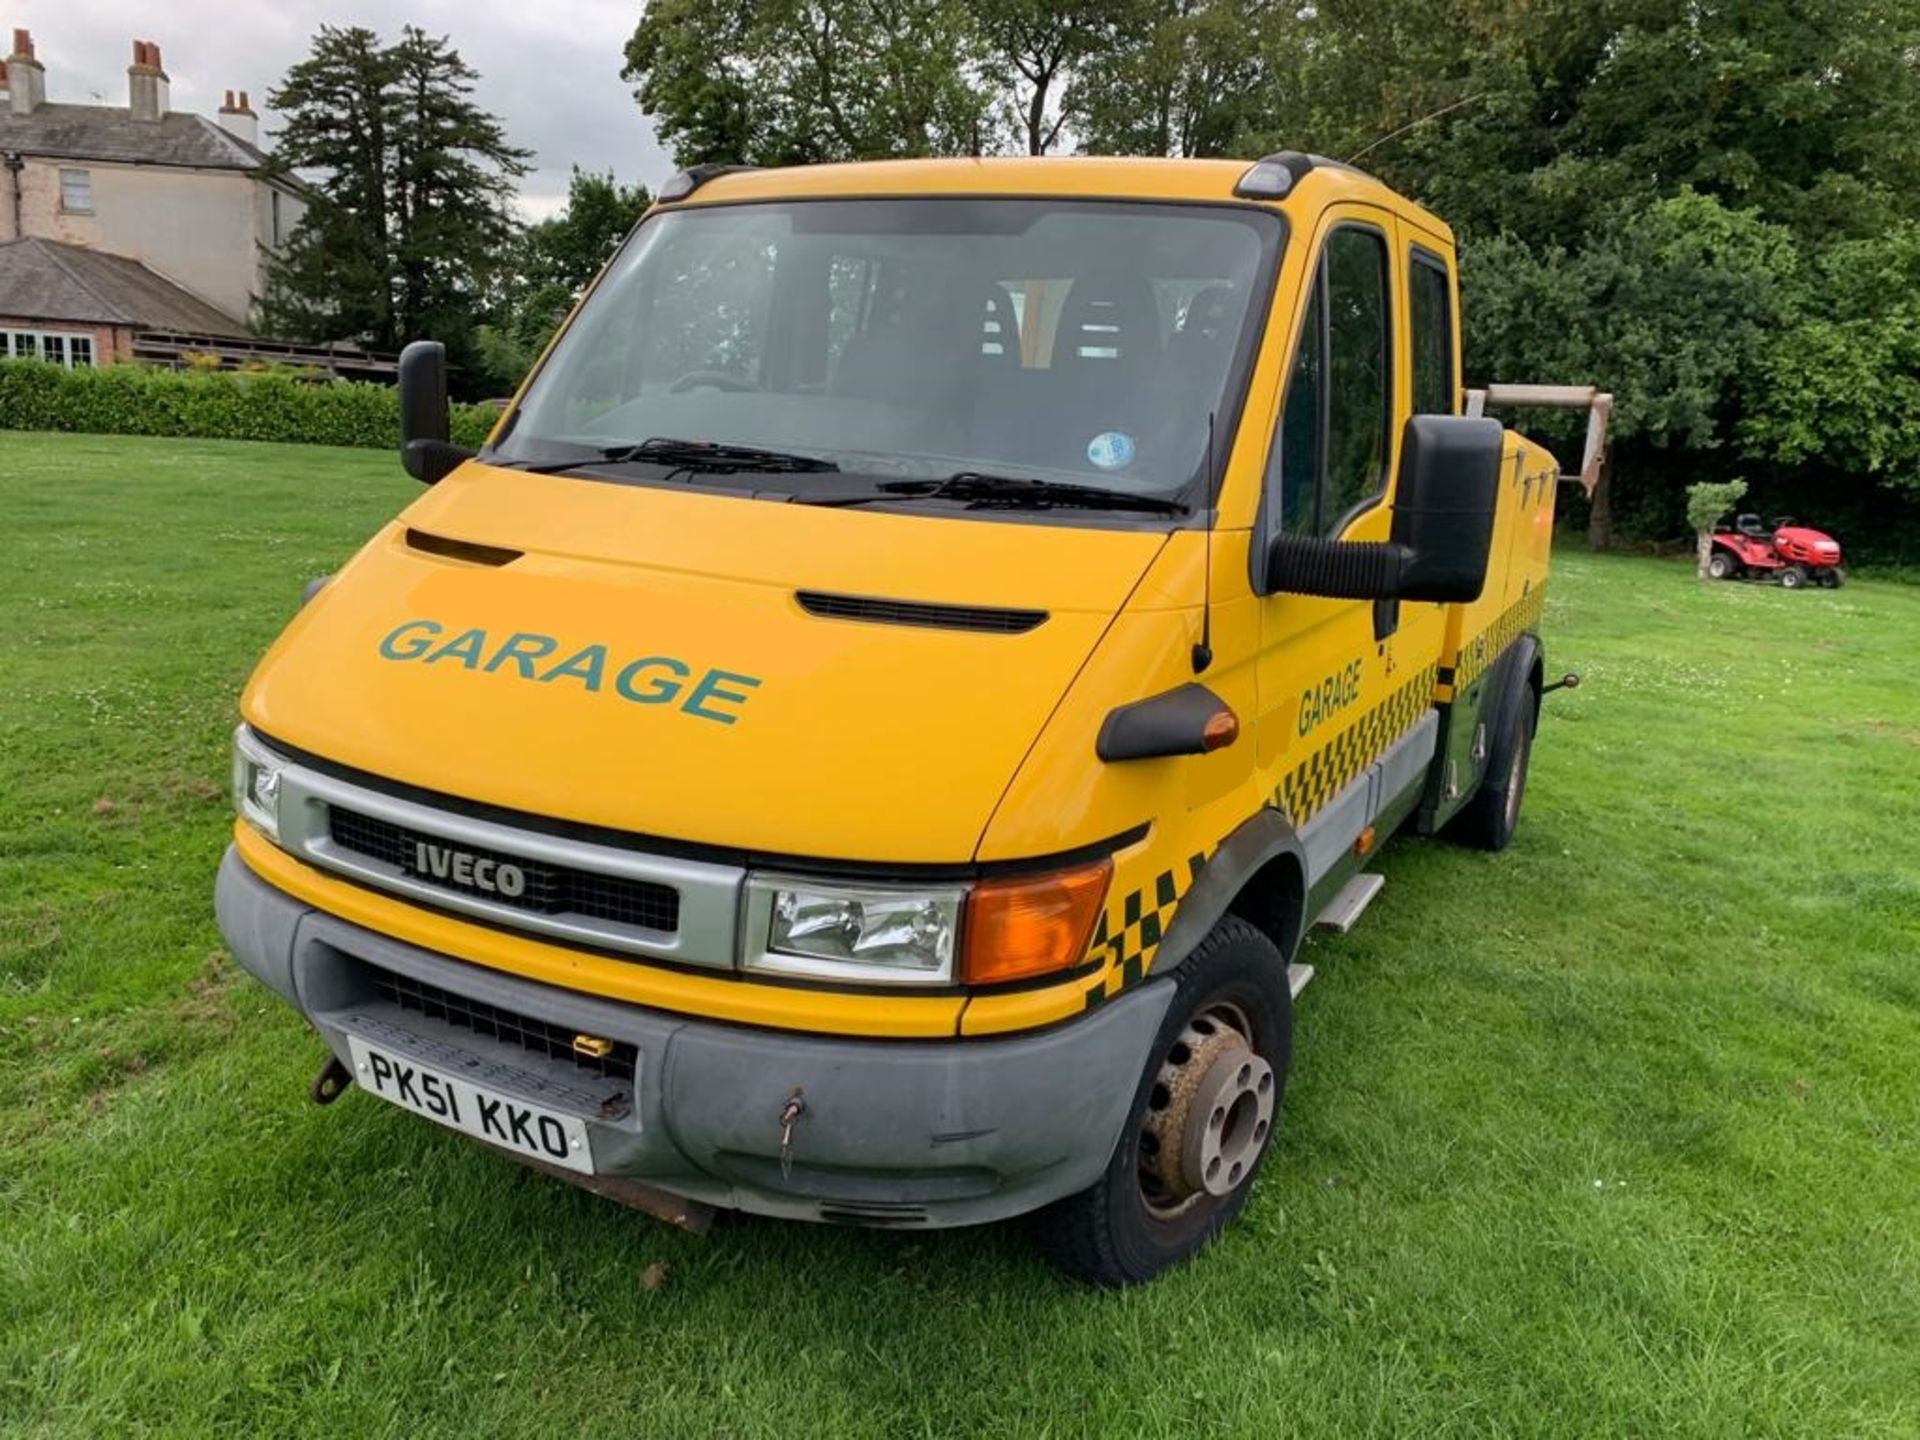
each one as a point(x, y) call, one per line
point(530, 1130)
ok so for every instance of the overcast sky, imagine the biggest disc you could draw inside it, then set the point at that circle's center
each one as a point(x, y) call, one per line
point(550, 69)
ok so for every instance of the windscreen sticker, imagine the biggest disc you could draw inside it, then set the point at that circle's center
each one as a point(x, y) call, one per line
point(709, 694)
point(1111, 449)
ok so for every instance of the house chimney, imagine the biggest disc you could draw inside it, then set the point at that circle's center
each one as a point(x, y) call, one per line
point(238, 120)
point(146, 83)
point(26, 77)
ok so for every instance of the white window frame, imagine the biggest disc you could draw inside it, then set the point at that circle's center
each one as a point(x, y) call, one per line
point(76, 180)
point(12, 348)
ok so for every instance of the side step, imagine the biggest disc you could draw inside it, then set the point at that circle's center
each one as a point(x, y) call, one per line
point(1351, 903)
point(1297, 978)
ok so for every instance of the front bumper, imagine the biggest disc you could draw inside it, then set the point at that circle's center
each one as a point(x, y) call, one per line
point(916, 1132)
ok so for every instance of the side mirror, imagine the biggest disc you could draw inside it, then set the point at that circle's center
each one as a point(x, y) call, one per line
point(1442, 524)
point(425, 450)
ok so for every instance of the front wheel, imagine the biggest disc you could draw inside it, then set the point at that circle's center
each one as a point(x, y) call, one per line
point(1793, 577)
point(1202, 1119)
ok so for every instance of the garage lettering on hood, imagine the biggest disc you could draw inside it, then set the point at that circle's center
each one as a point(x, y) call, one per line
point(647, 680)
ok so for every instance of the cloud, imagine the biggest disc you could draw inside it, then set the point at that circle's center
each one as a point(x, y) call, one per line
point(550, 70)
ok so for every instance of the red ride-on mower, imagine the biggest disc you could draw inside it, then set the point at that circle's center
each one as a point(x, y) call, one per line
point(1785, 551)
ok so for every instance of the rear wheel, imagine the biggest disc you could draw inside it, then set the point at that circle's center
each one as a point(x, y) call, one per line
point(1488, 820)
point(1721, 566)
point(1793, 577)
point(1201, 1122)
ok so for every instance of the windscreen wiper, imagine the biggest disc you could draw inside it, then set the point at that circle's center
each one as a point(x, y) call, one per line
point(697, 456)
point(978, 489)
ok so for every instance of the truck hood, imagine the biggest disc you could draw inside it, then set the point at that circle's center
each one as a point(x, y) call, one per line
point(662, 662)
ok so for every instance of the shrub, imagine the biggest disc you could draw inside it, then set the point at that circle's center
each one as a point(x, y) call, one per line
point(1706, 503)
point(135, 400)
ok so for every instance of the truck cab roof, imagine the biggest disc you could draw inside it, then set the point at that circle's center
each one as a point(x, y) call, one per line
point(1081, 176)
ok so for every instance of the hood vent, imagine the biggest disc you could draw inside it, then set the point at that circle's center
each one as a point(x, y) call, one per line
point(460, 549)
point(982, 619)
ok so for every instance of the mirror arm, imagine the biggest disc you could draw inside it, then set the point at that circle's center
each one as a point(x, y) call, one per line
point(429, 461)
point(1338, 569)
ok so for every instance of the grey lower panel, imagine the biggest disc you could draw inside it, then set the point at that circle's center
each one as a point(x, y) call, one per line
point(1328, 837)
point(941, 1132)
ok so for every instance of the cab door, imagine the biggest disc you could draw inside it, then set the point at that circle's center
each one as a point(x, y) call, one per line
point(1333, 687)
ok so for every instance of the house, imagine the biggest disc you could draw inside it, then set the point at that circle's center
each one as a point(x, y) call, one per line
point(74, 306)
point(123, 221)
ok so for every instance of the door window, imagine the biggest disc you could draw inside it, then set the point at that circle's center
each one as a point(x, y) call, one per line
point(1331, 452)
point(1358, 367)
point(1430, 318)
point(1300, 422)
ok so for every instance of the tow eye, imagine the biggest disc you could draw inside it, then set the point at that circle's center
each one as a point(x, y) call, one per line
point(1568, 681)
point(790, 1114)
point(1209, 1113)
point(331, 1083)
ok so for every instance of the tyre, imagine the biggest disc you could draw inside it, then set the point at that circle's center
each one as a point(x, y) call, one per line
point(1722, 566)
point(1202, 1119)
point(1793, 577)
point(1834, 578)
point(1488, 820)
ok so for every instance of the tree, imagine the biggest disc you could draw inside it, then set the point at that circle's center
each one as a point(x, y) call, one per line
point(547, 267)
point(453, 174)
point(410, 187)
point(1042, 44)
point(334, 277)
point(569, 249)
point(1175, 77)
point(783, 82)
point(1671, 305)
point(1840, 385)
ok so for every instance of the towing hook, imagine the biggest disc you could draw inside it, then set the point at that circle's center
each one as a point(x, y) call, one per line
point(331, 1083)
point(1568, 681)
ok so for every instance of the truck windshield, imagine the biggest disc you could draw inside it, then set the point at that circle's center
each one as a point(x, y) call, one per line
point(916, 340)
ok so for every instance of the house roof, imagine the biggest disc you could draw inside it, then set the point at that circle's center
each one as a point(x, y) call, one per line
point(48, 280)
point(109, 132)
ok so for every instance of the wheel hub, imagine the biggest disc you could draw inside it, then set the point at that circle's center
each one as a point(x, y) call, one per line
point(1208, 1115)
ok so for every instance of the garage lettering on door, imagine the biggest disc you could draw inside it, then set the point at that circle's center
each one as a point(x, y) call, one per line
point(1335, 693)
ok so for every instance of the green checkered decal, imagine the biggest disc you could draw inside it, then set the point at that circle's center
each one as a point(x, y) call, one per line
point(1309, 785)
point(1128, 935)
point(1479, 653)
point(1130, 928)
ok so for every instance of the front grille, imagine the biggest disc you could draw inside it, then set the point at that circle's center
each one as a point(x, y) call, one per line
point(549, 889)
point(986, 619)
point(537, 1036)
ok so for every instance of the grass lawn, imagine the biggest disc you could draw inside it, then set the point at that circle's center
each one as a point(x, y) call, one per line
point(1618, 1132)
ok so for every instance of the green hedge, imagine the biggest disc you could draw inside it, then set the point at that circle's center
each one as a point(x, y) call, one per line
point(211, 405)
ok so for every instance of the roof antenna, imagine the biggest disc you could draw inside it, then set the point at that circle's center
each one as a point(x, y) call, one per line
point(1415, 124)
point(1203, 650)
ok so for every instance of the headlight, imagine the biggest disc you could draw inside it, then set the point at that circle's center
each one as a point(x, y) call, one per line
point(256, 784)
point(1017, 928)
point(900, 934)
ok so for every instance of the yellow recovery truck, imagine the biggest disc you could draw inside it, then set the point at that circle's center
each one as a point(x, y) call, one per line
point(864, 739)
